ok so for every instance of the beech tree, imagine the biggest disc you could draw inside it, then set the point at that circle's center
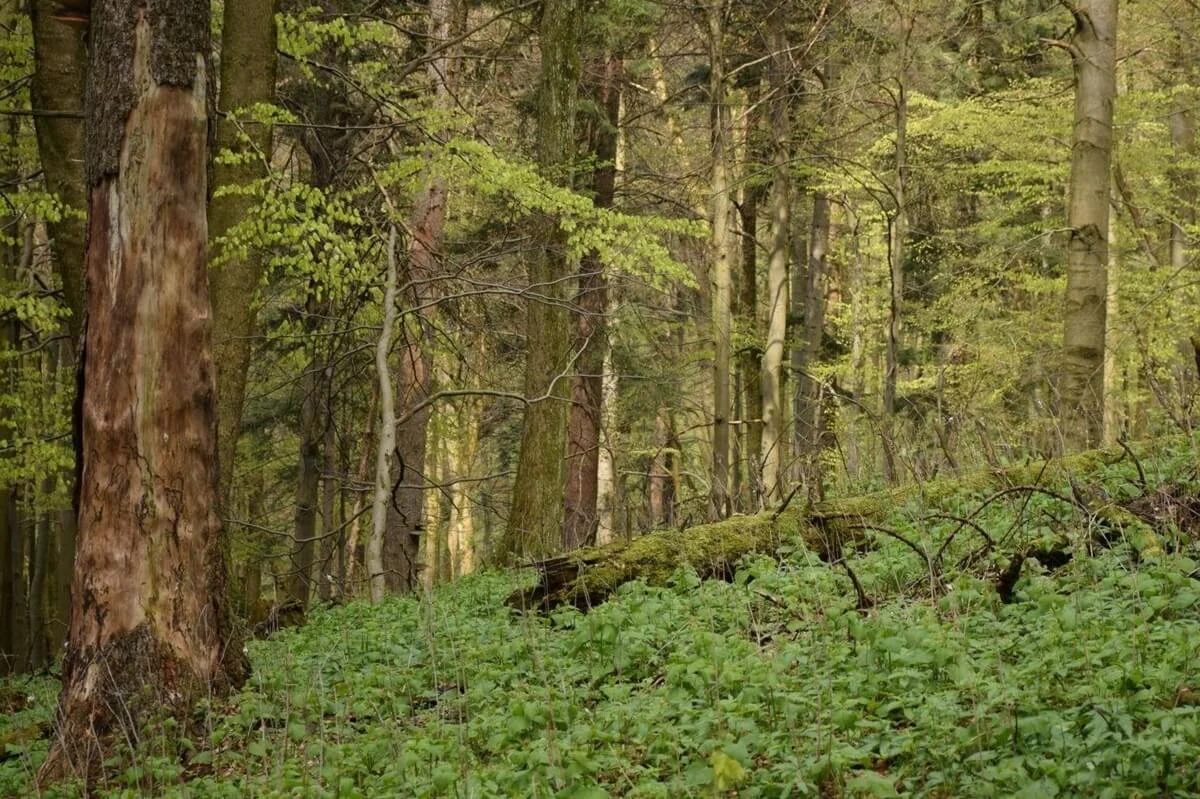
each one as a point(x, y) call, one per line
point(1093, 54)
point(150, 631)
point(535, 521)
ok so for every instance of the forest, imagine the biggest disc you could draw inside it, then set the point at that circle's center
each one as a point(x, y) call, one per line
point(599, 398)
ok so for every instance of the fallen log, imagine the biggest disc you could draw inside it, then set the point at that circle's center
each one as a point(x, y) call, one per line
point(587, 577)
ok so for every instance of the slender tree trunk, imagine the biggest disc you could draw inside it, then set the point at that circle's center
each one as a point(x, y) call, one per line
point(1113, 417)
point(897, 241)
point(387, 432)
point(810, 435)
point(248, 66)
point(39, 564)
point(11, 540)
point(1183, 142)
point(150, 627)
point(60, 65)
point(750, 357)
point(773, 401)
point(312, 384)
point(1081, 390)
point(406, 513)
point(660, 469)
point(606, 470)
point(535, 521)
point(352, 556)
point(581, 518)
point(721, 274)
point(329, 523)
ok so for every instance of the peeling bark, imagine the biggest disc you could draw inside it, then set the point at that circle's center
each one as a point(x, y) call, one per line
point(150, 629)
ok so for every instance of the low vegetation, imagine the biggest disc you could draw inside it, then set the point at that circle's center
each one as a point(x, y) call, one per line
point(1040, 655)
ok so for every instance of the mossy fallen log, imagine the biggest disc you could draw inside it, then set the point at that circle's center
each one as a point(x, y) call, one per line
point(588, 576)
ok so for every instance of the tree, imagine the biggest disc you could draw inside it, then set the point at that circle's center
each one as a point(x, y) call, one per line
point(60, 61)
point(150, 628)
point(248, 65)
point(721, 263)
point(535, 521)
point(1093, 55)
point(414, 375)
point(581, 519)
point(777, 270)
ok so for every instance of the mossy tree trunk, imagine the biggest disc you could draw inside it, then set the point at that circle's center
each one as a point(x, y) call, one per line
point(587, 577)
point(60, 67)
point(150, 629)
point(535, 520)
point(248, 66)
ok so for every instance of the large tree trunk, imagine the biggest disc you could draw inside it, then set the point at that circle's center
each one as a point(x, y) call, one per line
point(248, 65)
point(581, 519)
point(773, 402)
point(1081, 390)
point(535, 521)
point(721, 269)
point(150, 628)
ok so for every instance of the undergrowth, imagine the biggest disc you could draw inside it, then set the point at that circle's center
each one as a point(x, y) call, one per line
point(782, 682)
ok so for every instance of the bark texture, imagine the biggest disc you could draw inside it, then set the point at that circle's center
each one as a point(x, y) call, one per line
point(773, 402)
point(248, 66)
point(1081, 388)
point(60, 66)
point(420, 290)
point(535, 521)
point(581, 519)
point(721, 268)
point(150, 630)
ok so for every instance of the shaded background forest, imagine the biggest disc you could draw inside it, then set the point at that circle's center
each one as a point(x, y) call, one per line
point(888, 180)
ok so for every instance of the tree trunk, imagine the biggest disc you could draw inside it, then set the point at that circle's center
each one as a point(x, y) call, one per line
point(587, 577)
point(721, 270)
point(348, 571)
point(150, 628)
point(11, 540)
point(749, 493)
point(312, 384)
point(1093, 52)
point(387, 433)
point(329, 523)
point(581, 518)
point(248, 66)
point(406, 512)
point(897, 240)
point(773, 402)
point(535, 521)
point(60, 66)
point(39, 564)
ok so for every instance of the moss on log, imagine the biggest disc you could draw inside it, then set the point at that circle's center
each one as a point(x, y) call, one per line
point(588, 576)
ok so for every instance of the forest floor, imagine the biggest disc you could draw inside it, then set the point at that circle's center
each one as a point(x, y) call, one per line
point(965, 675)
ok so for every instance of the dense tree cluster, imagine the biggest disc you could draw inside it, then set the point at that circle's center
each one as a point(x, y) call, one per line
point(436, 285)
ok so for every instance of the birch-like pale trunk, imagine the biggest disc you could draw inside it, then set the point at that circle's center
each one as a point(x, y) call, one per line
point(387, 431)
